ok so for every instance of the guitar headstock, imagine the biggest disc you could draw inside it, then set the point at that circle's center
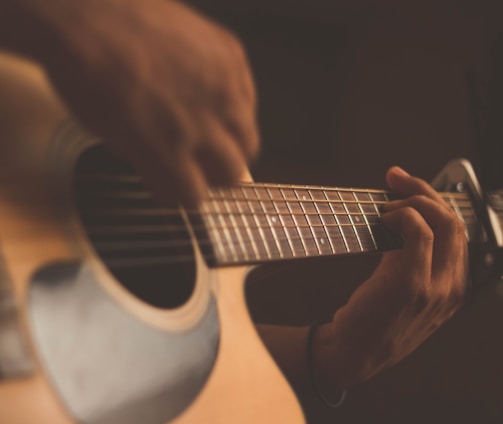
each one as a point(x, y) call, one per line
point(495, 209)
point(485, 234)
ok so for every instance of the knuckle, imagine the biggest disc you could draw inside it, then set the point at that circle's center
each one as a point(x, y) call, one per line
point(459, 227)
point(234, 44)
point(425, 234)
point(411, 215)
point(420, 185)
point(251, 143)
point(419, 199)
point(422, 299)
point(245, 134)
point(454, 225)
point(387, 351)
point(457, 295)
point(418, 296)
point(418, 227)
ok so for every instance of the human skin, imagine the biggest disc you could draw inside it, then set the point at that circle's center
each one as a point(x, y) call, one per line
point(172, 92)
point(165, 88)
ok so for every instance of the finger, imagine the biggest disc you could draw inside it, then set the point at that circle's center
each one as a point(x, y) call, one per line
point(174, 176)
point(406, 185)
point(243, 77)
point(416, 254)
point(219, 157)
point(238, 116)
point(241, 123)
point(447, 228)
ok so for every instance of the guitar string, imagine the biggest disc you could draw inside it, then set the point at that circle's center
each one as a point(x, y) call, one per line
point(245, 257)
point(153, 210)
point(461, 196)
point(149, 228)
point(248, 185)
point(276, 232)
point(244, 186)
point(135, 212)
point(230, 251)
point(278, 235)
point(114, 246)
point(232, 245)
point(139, 194)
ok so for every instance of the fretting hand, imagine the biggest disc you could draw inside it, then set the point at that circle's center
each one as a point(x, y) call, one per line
point(411, 293)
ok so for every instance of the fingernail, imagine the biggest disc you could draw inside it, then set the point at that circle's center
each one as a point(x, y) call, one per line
point(400, 171)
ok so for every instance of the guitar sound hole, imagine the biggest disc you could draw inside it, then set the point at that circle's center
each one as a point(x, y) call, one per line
point(147, 248)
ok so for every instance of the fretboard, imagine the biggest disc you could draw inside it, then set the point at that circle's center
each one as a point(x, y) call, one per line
point(254, 223)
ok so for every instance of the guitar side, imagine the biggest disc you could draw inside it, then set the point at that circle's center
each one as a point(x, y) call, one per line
point(31, 237)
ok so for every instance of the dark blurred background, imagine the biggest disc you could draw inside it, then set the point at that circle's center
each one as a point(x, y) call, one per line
point(346, 89)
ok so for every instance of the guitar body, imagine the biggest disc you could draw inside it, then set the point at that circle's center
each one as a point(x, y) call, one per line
point(89, 350)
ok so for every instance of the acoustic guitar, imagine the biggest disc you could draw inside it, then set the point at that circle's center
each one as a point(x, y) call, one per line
point(116, 310)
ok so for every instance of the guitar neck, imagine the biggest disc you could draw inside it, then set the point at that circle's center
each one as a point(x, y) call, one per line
point(255, 223)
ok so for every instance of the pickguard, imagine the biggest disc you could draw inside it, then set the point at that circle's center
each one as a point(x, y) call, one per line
point(15, 358)
point(107, 366)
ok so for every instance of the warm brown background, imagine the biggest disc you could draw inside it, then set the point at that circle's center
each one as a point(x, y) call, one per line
point(348, 88)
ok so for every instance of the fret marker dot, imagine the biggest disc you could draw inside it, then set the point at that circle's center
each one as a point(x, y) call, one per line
point(303, 197)
point(322, 241)
point(273, 219)
point(357, 218)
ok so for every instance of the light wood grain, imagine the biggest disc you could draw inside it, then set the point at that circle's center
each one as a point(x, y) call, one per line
point(245, 385)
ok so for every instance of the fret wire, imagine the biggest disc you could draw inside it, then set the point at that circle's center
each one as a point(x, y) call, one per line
point(331, 243)
point(309, 236)
point(270, 226)
point(247, 217)
point(282, 227)
point(215, 233)
point(135, 229)
point(454, 206)
point(307, 187)
point(378, 212)
point(344, 204)
point(368, 226)
point(227, 231)
point(178, 243)
point(257, 223)
point(113, 246)
point(236, 228)
point(137, 212)
point(248, 230)
point(148, 195)
point(136, 178)
point(305, 217)
point(336, 217)
point(374, 204)
point(461, 207)
point(287, 234)
point(295, 228)
point(310, 201)
point(320, 232)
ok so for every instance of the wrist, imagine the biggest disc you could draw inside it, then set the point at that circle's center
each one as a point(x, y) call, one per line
point(323, 360)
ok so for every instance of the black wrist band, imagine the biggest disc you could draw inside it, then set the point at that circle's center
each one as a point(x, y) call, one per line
point(312, 376)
